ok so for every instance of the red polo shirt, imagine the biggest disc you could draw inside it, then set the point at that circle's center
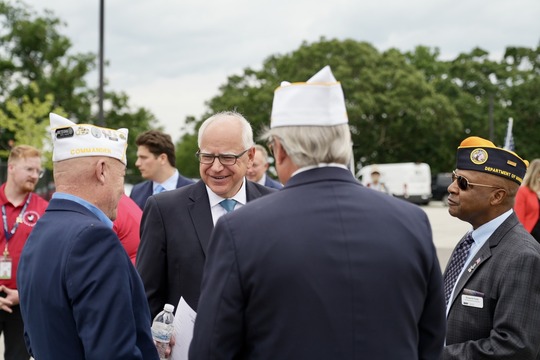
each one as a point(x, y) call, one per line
point(33, 212)
point(127, 225)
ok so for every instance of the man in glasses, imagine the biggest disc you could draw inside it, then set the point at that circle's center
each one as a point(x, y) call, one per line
point(492, 282)
point(324, 268)
point(176, 225)
point(21, 209)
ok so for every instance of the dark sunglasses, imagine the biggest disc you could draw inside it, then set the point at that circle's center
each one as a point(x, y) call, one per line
point(464, 184)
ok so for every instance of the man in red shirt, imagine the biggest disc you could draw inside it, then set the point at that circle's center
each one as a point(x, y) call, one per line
point(21, 209)
point(127, 225)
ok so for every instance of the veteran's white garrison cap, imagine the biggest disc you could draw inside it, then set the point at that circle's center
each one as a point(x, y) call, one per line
point(72, 140)
point(317, 102)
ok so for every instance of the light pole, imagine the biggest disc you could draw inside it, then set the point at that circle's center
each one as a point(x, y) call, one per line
point(101, 120)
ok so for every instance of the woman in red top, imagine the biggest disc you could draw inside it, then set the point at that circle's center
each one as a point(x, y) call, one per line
point(527, 204)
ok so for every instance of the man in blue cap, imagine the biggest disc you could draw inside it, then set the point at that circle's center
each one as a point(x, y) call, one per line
point(491, 283)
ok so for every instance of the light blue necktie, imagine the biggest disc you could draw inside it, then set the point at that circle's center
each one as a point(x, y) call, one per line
point(159, 189)
point(228, 204)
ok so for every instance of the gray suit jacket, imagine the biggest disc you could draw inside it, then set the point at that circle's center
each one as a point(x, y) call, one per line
point(503, 279)
point(175, 231)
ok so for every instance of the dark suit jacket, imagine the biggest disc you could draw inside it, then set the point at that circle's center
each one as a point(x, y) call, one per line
point(142, 191)
point(322, 269)
point(81, 297)
point(269, 182)
point(505, 273)
point(175, 231)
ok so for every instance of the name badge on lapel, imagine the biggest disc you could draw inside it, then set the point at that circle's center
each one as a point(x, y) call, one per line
point(472, 298)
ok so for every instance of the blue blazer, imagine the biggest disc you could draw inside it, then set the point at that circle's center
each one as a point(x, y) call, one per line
point(142, 191)
point(322, 269)
point(80, 296)
point(269, 182)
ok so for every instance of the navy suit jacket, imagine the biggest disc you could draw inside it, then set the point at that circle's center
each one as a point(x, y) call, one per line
point(269, 182)
point(175, 231)
point(504, 276)
point(142, 191)
point(80, 296)
point(322, 269)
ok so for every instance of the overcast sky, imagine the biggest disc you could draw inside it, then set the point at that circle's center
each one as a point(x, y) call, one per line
point(170, 56)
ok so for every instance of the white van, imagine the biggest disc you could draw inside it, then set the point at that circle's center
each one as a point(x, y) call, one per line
point(409, 181)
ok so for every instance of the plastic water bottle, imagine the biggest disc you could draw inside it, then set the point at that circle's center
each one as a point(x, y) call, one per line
point(162, 329)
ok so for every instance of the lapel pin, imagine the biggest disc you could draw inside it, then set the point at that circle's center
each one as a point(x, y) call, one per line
point(474, 265)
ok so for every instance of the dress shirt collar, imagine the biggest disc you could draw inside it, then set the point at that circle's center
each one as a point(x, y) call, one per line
point(262, 180)
point(217, 210)
point(482, 234)
point(240, 196)
point(320, 165)
point(96, 211)
point(169, 184)
point(480, 237)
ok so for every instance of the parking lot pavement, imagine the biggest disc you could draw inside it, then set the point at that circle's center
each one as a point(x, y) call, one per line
point(447, 230)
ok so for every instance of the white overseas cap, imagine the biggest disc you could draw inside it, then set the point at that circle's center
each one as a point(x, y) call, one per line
point(72, 140)
point(317, 102)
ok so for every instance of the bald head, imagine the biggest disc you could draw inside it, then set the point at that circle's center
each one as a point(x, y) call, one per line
point(98, 180)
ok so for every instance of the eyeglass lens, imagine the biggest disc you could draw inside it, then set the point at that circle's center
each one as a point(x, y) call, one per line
point(462, 182)
point(223, 159)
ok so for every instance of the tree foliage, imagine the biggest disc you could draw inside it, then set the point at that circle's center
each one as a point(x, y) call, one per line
point(25, 122)
point(38, 69)
point(402, 106)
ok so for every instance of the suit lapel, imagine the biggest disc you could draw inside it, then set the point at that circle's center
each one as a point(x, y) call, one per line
point(201, 215)
point(148, 189)
point(479, 258)
point(484, 253)
point(252, 192)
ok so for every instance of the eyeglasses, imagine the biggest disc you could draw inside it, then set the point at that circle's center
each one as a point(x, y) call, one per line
point(464, 184)
point(31, 170)
point(224, 159)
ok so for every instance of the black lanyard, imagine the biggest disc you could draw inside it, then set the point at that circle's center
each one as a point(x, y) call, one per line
point(8, 233)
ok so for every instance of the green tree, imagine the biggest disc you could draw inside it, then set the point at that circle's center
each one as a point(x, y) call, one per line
point(185, 155)
point(36, 63)
point(395, 114)
point(402, 107)
point(33, 50)
point(23, 118)
point(479, 88)
point(522, 100)
point(121, 115)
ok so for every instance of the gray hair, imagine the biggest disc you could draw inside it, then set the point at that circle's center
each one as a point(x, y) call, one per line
point(247, 131)
point(263, 151)
point(311, 145)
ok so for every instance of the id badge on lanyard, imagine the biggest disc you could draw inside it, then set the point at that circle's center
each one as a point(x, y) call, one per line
point(5, 265)
point(5, 259)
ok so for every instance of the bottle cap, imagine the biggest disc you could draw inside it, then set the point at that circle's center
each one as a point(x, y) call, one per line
point(168, 307)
